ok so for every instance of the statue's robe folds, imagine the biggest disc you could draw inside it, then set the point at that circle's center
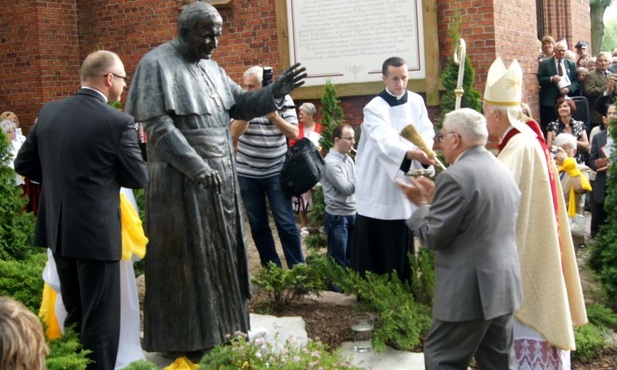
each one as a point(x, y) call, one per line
point(197, 278)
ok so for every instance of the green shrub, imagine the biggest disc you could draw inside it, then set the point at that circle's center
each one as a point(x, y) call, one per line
point(590, 339)
point(316, 242)
point(141, 365)
point(332, 115)
point(16, 225)
point(23, 280)
point(423, 282)
point(604, 254)
point(285, 286)
point(402, 321)
point(600, 315)
point(589, 342)
point(316, 216)
point(66, 353)
point(256, 354)
point(329, 270)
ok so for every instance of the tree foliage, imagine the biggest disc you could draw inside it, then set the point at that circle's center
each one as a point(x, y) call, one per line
point(597, 10)
point(332, 114)
point(609, 41)
point(16, 226)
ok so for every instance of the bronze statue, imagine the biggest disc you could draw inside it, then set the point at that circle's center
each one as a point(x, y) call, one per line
point(197, 278)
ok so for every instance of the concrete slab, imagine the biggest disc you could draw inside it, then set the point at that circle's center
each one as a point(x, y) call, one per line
point(388, 359)
point(278, 330)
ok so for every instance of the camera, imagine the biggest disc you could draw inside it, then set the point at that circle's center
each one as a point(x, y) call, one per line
point(267, 77)
point(554, 151)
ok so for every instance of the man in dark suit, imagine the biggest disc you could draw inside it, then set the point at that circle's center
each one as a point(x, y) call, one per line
point(469, 218)
point(601, 145)
point(597, 85)
point(82, 151)
point(558, 77)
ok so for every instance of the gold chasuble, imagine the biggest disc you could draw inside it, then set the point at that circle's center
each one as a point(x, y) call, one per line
point(552, 294)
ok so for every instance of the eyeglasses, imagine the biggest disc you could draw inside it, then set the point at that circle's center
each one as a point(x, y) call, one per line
point(440, 136)
point(350, 138)
point(126, 79)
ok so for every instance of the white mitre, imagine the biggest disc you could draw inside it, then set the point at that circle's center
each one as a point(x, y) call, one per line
point(504, 89)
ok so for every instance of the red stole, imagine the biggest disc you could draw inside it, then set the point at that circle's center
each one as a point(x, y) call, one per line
point(533, 125)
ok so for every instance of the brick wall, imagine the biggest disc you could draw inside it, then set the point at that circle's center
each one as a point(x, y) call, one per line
point(580, 24)
point(43, 43)
point(129, 28)
point(567, 19)
point(516, 35)
point(492, 29)
point(38, 55)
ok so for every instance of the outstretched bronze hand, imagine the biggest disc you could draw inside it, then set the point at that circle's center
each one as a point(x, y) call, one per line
point(291, 79)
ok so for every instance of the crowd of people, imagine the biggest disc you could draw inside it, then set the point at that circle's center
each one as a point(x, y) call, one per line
point(499, 224)
point(575, 95)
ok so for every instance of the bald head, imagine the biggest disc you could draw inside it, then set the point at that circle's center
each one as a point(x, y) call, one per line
point(97, 64)
point(103, 70)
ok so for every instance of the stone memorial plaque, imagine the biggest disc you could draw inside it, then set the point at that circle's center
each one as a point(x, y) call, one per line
point(348, 41)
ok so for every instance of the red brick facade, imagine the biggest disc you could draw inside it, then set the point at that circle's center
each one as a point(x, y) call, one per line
point(39, 54)
point(42, 43)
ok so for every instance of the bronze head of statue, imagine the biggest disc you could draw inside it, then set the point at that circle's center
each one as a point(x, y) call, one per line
point(199, 27)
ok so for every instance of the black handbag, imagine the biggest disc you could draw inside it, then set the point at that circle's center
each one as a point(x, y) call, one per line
point(303, 168)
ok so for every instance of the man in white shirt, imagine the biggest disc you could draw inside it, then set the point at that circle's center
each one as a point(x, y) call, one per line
point(382, 240)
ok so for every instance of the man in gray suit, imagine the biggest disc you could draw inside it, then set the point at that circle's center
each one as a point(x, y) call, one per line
point(597, 85)
point(468, 217)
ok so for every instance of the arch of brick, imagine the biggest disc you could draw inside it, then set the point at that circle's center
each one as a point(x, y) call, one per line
point(42, 43)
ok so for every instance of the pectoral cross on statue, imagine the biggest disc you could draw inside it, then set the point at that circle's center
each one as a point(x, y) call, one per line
point(210, 85)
